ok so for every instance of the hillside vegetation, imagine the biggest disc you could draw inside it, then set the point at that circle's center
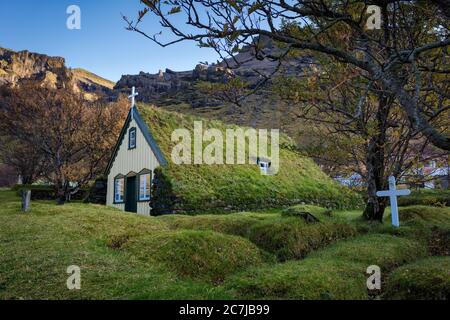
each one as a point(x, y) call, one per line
point(232, 187)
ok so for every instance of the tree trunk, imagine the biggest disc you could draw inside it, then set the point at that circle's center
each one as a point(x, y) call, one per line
point(61, 193)
point(375, 206)
point(375, 175)
point(375, 165)
point(27, 180)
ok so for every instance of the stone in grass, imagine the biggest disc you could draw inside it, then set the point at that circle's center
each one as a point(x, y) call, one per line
point(306, 215)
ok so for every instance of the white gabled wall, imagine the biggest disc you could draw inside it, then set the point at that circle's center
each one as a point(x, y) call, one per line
point(134, 160)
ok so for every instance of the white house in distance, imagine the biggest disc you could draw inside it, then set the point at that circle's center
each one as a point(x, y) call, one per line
point(132, 164)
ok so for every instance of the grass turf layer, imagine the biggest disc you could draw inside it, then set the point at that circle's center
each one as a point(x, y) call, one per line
point(308, 279)
point(287, 237)
point(240, 187)
point(427, 279)
point(424, 215)
point(434, 197)
point(36, 248)
point(293, 238)
point(336, 272)
point(385, 251)
point(195, 254)
point(124, 256)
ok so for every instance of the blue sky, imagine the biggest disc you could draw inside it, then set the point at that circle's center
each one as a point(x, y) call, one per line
point(102, 46)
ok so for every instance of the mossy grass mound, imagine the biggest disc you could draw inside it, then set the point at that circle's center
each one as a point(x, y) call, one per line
point(336, 272)
point(424, 215)
point(427, 279)
point(125, 256)
point(218, 188)
point(308, 279)
point(287, 237)
point(234, 223)
point(293, 237)
point(428, 224)
point(383, 250)
point(202, 255)
point(434, 197)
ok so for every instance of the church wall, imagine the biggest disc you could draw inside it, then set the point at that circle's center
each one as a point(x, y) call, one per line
point(133, 160)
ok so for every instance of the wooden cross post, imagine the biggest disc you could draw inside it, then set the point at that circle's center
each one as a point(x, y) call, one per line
point(393, 193)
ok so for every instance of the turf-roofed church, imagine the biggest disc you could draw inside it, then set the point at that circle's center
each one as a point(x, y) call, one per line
point(142, 177)
point(132, 165)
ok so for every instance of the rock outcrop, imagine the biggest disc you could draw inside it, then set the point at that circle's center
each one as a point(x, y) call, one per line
point(24, 66)
point(246, 65)
point(180, 91)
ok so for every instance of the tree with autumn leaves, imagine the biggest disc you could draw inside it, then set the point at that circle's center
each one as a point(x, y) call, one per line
point(57, 135)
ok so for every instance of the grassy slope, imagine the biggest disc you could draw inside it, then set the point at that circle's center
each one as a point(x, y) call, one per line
point(124, 256)
point(242, 186)
point(36, 249)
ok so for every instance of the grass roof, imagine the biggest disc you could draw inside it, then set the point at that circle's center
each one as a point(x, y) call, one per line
point(233, 187)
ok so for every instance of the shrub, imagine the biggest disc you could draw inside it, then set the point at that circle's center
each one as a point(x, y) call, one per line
point(427, 198)
point(163, 199)
point(424, 279)
point(45, 192)
point(38, 192)
point(293, 238)
point(204, 255)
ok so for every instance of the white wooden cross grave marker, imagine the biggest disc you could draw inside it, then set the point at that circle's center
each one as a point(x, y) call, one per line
point(392, 193)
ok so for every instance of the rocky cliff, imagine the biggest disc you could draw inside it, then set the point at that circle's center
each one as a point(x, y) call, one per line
point(24, 66)
point(246, 65)
point(179, 91)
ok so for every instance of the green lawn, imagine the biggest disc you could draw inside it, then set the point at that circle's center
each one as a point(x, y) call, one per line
point(240, 255)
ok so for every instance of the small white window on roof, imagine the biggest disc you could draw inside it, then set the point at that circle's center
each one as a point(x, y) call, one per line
point(264, 165)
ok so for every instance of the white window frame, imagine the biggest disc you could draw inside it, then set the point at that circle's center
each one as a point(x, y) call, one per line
point(144, 193)
point(119, 190)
